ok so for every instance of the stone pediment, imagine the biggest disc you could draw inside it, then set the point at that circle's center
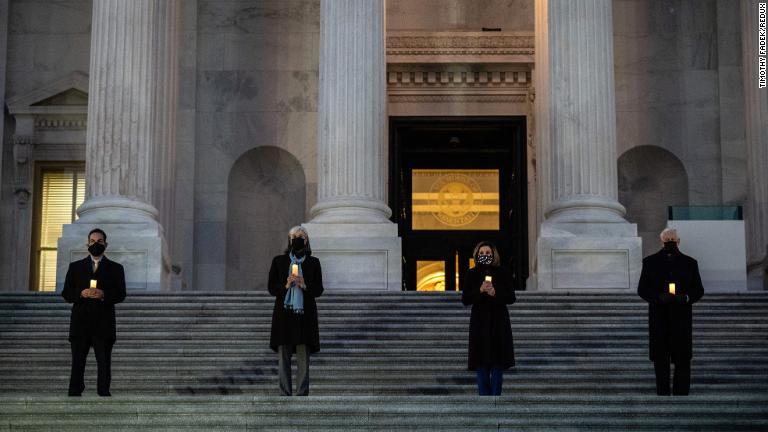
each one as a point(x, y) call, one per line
point(68, 95)
point(71, 97)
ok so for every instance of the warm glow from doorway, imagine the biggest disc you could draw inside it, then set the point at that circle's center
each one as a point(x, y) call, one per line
point(430, 275)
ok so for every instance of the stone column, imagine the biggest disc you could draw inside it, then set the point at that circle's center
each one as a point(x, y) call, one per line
point(584, 243)
point(130, 138)
point(350, 229)
point(3, 63)
point(756, 117)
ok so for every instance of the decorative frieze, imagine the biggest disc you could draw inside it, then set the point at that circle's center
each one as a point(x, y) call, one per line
point(460, 44)
point(444, 67)
point(452, 79)
point(54, 123)
point(456, 98)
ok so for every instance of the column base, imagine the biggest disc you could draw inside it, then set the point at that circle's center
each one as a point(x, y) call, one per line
point(588, 257)
point(111, 208)
point(139, 247)
point(757, 280)
point(351, 211)
point(358, 256)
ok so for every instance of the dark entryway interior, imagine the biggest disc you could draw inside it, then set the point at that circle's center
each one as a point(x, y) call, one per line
point(455, 181)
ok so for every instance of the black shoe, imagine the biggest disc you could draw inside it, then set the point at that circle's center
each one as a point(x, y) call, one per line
point(107, 394)
point(73, 394)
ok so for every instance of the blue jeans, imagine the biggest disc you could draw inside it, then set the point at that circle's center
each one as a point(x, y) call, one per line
point(489, 380)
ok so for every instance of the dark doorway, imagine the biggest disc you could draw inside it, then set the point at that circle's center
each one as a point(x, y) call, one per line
point(455, 181)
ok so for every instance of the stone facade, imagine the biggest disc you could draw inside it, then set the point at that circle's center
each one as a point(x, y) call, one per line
point(249, 94)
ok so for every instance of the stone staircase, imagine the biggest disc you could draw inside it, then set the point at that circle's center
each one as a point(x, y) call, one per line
point(388, 361)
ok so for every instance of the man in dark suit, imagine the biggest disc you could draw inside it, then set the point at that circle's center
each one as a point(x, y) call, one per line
point(670, 283)
point(93, 285)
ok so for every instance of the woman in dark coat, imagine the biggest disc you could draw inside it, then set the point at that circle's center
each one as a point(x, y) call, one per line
point(295, 279)
point(488, 288)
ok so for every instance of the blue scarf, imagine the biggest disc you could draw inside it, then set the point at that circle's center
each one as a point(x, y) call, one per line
point(294, 299)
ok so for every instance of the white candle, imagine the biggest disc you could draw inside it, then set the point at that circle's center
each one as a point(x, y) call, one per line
point(295, 269)
point(93, 283)
point(672, 288)
point(488, 279)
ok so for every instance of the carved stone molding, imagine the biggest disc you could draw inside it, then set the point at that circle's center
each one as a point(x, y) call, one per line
point(477, 67)
point(460, 43)
point(457, 98)
point(22, 149)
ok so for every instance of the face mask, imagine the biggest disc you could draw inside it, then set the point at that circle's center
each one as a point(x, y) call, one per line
point(484, 259)
point(297, 244)
point(96, 249)
point(670, 245)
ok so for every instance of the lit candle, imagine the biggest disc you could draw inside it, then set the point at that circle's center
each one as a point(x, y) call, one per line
point(93, 283)
point(488, 279)
point(295, 269)
point(672, 288)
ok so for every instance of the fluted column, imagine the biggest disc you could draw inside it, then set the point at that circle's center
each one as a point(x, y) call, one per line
point(581, 113)
point(352, 113)
point(350, 230)
point(128, 109)
point(166, 106)
point(756, 117)
point(130, 139)
point(584, 242)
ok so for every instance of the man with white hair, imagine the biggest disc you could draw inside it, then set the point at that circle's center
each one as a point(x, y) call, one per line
point(670, 283)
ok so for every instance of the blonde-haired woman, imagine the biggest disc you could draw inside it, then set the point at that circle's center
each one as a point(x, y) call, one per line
point(295, 279)
point(488, 288)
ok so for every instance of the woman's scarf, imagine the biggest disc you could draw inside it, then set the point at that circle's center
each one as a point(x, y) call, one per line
point(294, 299)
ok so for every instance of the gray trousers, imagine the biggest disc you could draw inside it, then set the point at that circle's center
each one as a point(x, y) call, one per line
point(284, 369)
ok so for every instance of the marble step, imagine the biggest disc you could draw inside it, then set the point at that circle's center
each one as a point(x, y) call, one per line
point(535, 412)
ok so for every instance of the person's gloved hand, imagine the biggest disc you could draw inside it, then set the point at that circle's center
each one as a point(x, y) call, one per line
point(666, 298)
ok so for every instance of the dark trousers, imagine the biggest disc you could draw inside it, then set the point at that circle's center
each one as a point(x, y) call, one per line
point(103, 351)
point(681, 383)
point(489, 380)
point(302, 369)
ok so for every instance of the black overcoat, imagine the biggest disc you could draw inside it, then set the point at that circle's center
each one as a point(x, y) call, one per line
point(670, 327)
point(490, 333)
point(94, 317)
point(289, 328)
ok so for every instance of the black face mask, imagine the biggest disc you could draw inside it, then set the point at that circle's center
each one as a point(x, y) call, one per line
point(297, 245)
point(670, 246)
point(485, 259)
point(96, 249)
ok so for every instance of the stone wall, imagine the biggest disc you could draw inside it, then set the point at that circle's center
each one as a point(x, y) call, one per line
point(678, 87)
point(460, 15)
point(249, 79)
point(257, 80)
point(47, 41)
point(266, 193)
